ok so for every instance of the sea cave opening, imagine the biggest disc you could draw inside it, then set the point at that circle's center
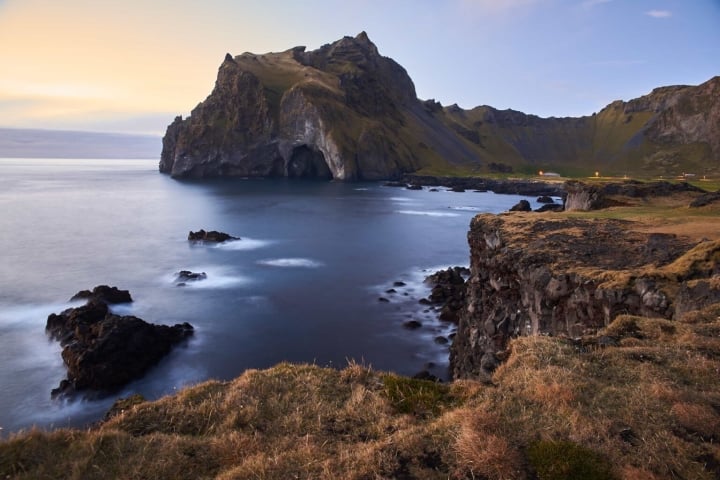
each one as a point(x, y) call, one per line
point(306, 162)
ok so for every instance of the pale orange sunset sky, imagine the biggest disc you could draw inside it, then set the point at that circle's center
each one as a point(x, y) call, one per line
point(131, 66)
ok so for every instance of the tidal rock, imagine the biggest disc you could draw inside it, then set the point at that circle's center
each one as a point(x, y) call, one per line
point(414, 187)
point(545, 199)
point(550, 207)
point(521, 206)
point(184, 276)
point(212, 236)
point(412, 324)
point(448, 291)
point(103, 351)
point(105, 294)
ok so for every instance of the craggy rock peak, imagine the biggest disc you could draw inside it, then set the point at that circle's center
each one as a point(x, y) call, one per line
point(565, 276)
point(342, 111)
point(345, 112)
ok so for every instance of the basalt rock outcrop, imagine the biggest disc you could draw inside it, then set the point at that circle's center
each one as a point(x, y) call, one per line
point(346, 112)
point(571, 277)
point(104, 351)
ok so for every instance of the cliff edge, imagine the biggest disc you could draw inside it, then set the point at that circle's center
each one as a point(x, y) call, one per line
point(571, 276)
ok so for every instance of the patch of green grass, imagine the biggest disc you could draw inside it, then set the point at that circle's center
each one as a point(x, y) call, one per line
point(417, 397)
point(565, 460)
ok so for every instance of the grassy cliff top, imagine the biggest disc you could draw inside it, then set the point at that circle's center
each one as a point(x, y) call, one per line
point(643, 407)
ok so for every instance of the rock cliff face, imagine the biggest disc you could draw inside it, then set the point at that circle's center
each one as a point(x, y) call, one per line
point(342, 111)
point(564, 276)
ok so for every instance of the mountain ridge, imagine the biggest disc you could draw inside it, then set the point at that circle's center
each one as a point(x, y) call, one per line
point(345, 112)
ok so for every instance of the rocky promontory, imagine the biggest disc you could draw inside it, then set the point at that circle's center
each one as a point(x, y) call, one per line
point(345, 112)
point(566, 276)
point(342, 111)
point(104, 351)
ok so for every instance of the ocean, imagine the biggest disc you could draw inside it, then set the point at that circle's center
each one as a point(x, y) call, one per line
point(301, 285)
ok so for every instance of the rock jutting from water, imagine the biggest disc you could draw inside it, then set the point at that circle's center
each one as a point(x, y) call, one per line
point(212, 236)
point(104, 351)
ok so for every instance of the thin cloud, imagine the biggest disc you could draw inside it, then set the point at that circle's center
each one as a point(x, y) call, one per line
point(659, 13)
point(495, 6)
point(616, 63)
point(593, 3)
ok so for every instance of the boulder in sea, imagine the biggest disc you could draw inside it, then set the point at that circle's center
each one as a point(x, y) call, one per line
point(521, 206)
point(104, 351)
point(412, 324)
point(188, 276)
point(213, 236)
point(545, 199)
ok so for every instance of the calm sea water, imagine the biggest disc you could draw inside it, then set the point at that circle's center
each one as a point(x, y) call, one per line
point(302, 285)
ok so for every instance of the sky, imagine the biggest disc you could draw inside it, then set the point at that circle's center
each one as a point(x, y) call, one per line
point(131, 66)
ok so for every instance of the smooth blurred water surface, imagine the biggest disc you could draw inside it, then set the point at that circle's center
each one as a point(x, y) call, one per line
point(302, 284)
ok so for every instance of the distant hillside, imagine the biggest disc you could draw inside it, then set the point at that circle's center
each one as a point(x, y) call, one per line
point(344, 111)
point(32, 143)
point(672, 130)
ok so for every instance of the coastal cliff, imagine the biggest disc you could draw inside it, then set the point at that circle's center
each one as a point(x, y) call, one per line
point(342, 111)
point(346, 112)
point(571, 277)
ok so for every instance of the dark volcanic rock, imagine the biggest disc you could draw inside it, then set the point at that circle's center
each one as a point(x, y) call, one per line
point(412, 324)
point(521, 206)
point(104, 351)
point(212, 236)
point(188, 276)
point(105, 294)
point(550, 207)
point(545, 199)
point(515, 187)
point(448, 290)
point(705, 199)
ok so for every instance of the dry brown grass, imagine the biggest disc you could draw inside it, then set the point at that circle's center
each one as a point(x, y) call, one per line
point(649, 408)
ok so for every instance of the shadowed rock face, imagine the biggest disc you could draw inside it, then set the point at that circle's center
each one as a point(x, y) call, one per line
point(570, 277)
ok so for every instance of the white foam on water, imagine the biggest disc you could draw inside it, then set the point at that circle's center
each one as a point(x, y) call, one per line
point(291, 262)
point(361, 189)
point(401, 199)
point(217, 277)
point(469, 208)
point(243, 244)
point(12, 316)
point(428, 213)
